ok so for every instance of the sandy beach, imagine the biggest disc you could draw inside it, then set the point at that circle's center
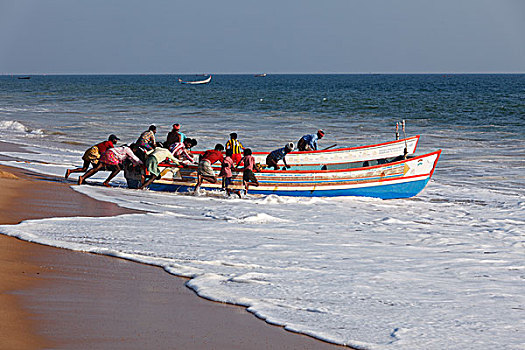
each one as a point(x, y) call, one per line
point(61, 299)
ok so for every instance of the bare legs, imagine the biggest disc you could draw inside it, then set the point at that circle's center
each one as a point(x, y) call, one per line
point(247, 185)
point(149, 181)
point(201, 178)
point(78, 170)
point(114, 173)
point(115, 169)
point(272, 163)
point(90, 173)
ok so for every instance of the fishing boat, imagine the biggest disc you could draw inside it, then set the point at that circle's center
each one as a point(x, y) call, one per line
point(342, 156)
point(385, 179)
point(260, 75)
point(198, 82)
point(383, 150)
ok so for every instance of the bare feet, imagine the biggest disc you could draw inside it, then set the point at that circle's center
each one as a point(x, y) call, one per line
point(80, 180)
point(68, 172)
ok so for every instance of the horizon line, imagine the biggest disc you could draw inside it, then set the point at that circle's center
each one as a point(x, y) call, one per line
point(270, 73)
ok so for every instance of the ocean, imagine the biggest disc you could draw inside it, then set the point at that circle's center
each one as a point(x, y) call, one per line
point(442, 270)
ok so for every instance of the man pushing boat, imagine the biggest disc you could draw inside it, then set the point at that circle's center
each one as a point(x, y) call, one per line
point(274, 157)
point(205, 170)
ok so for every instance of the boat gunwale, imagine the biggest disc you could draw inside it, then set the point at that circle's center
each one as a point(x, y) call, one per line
point(438, 153)
point(416, 137)
point(335, 150)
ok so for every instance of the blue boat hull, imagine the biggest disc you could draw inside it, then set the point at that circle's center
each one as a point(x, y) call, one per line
point(390, 191)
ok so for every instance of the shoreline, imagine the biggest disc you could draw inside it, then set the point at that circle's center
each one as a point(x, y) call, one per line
point(66, 299)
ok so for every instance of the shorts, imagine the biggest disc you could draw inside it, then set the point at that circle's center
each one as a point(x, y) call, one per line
point(227, 181)
point(249, 176)
point(205, 168)
point(91, 155)
point(271, 161)
point(236, 157)
point(152, 164)
point(109, 167)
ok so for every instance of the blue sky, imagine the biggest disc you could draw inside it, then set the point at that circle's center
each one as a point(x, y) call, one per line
point(330, 36)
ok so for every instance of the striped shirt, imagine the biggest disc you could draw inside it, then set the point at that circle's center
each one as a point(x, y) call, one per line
point(235, 145)
point(147, 140)
point(179, 151)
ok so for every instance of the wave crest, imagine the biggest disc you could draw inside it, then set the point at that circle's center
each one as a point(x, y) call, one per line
point(16, 126)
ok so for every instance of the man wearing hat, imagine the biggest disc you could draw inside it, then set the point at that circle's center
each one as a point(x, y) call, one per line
point(92, 154)
point(309, 142)
point(174, 136)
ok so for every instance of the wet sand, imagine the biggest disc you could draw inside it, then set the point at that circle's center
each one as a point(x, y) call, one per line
point(62, 299)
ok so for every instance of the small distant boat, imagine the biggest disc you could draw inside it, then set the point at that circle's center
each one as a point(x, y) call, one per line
point(24, 78)
point(198, 82)
point(260, 75)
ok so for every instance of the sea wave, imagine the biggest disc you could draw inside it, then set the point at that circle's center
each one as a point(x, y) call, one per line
point(16, 126)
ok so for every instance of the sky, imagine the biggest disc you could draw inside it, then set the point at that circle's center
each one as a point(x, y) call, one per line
point(247, 36)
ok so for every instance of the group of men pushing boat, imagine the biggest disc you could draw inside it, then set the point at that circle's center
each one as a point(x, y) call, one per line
point(140, 160)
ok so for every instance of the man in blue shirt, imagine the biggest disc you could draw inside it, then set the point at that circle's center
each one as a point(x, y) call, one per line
point(274, 157)
point(309, 142)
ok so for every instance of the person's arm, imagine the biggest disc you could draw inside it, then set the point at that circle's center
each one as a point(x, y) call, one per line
point(187, 155)
point(284, 161)
point(171, 157)
point(134, 159)
point(313, 142)
point(152, 141)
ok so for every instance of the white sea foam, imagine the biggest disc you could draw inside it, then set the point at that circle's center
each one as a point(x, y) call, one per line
point(443, 270)
point(13, 126)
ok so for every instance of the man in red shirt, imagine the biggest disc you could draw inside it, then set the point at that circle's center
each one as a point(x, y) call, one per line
point(205, 171)
point(92, 155)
